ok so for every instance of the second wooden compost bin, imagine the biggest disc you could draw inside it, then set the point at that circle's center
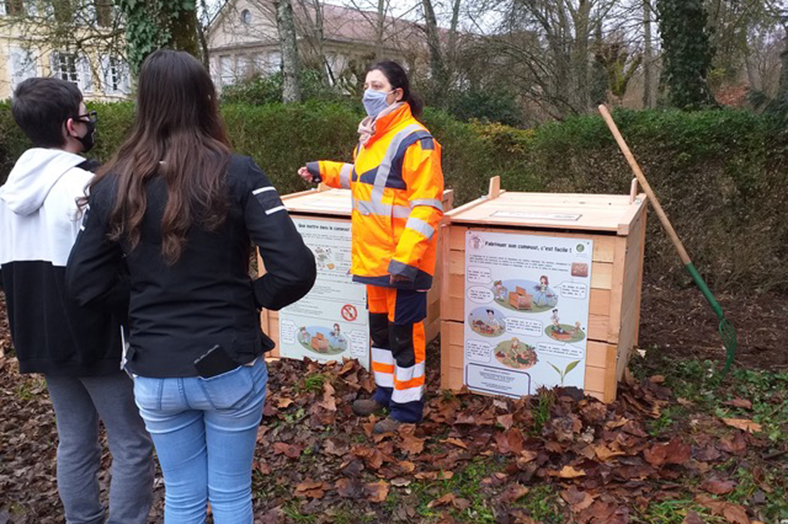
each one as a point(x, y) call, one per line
point(335, 205)
point(615, 223)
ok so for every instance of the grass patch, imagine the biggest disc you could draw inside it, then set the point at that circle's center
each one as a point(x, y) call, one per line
point(311, 384)
point(293, 513)
point(673, 512)
point(543, 505)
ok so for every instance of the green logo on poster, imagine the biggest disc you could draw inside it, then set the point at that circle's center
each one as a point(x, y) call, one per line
point(581, 248)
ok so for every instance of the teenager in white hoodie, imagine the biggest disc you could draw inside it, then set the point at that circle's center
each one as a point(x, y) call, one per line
point(78, 350)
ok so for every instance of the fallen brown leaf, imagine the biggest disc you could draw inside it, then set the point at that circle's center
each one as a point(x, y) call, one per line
point(434, 475)
point(455, 441)
point(567, 472)
point(733, 513)
point(377, 492)
point(692, 518)
point(739, 403)
point(507, 421)
point(309, 489)
point(578, 500)
point(442, 501)
point(743, 424)
point(329, 402)
point(514, 493)
point(718, 487)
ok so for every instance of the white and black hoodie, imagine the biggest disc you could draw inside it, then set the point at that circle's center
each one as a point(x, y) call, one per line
point(39, 222)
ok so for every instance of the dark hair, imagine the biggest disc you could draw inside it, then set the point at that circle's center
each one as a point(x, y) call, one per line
point(42, 105)
point(398, 79)
point(179, 136)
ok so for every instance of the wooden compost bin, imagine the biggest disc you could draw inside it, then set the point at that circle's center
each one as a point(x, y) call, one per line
point(617, 226)
point(325, 203)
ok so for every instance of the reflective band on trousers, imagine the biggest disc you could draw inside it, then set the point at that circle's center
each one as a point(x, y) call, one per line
point(382, 356)
point(344, 176)
point(384, 380)
point(401, 396)
point(407, 374)
point(375, 205)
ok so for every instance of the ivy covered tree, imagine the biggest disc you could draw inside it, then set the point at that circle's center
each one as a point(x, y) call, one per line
point(686, 53)
point(151, 25)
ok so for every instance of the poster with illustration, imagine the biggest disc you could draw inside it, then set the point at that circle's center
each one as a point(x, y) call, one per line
point(526, 311)
point(331, 322)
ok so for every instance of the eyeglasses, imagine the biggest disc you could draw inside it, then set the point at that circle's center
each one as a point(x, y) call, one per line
point(92, 116)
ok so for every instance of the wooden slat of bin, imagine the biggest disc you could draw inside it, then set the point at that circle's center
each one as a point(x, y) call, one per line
point(630, 308)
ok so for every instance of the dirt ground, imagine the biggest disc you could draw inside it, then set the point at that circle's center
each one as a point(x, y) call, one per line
point(680, 322)
point(674, 448)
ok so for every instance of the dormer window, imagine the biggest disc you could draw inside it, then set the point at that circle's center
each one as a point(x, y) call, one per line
point(246, 17)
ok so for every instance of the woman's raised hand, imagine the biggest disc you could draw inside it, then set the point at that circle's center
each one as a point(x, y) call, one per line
point(304, 173)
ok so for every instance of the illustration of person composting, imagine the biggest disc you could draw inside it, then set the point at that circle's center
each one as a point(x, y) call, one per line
point(556, 322)
point(303, 336)
point(501, 293)
point(337, 340)
point(542, 292)
point(493, 322)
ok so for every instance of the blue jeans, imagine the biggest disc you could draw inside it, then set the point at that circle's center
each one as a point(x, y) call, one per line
point(205, 432)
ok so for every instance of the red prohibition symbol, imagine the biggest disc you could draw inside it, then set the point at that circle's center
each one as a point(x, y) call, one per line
point(349, 312)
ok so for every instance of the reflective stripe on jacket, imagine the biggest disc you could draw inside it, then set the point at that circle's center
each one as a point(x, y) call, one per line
point(397, 188)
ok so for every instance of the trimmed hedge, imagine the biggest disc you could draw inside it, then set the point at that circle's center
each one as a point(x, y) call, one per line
point(721, 175)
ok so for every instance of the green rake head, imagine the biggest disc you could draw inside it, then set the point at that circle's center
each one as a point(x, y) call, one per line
point(730, 341)
point(726, 329)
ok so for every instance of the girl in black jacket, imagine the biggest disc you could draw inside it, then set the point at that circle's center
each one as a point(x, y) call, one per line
point(175, 212)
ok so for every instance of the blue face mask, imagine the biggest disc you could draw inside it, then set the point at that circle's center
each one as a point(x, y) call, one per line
point(374, 102)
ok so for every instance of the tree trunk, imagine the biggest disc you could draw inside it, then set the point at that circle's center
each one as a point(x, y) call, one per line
point(580, 54)
point(185, 33)
point(648, 54)
point(455, 19)
point(380, 29)
point(437, 66)
point(291, 89)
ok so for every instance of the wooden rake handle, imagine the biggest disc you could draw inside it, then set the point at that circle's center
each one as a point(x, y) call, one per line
point(644, 183)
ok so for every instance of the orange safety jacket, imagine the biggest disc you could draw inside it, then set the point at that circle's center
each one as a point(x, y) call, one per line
point(397, 187)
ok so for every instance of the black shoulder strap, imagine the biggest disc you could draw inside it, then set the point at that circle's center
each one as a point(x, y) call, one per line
point(90, 165)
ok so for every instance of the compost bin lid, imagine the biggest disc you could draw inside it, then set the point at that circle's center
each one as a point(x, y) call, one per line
point(584, 212)
point(324, 202)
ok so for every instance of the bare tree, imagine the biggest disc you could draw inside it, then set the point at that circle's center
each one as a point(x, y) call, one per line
point(82, 39)
point(648, 56)
point(291, 89)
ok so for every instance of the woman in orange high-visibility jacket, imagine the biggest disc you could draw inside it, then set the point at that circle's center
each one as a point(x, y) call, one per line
point(397, 186)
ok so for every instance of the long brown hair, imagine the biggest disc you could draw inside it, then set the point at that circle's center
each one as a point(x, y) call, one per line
point(179, 136)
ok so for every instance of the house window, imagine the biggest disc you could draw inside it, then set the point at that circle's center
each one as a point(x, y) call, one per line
point(246, 17)
point(23, 66)
point(116, 75)
point(274, 62)
point(226, 70)
point(245, 67)
point(73, 68)
point(13, 7)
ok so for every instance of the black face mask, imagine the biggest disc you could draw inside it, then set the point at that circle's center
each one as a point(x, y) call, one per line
point(89, 140)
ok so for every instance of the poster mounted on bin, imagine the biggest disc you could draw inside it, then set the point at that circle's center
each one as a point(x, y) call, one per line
point(331, 322)
point(526, 312)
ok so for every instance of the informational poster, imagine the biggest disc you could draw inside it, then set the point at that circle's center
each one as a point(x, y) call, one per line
point(331, 322)
point(526, 312)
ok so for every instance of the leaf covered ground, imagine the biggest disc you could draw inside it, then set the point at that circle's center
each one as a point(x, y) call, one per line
point(675, 447)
